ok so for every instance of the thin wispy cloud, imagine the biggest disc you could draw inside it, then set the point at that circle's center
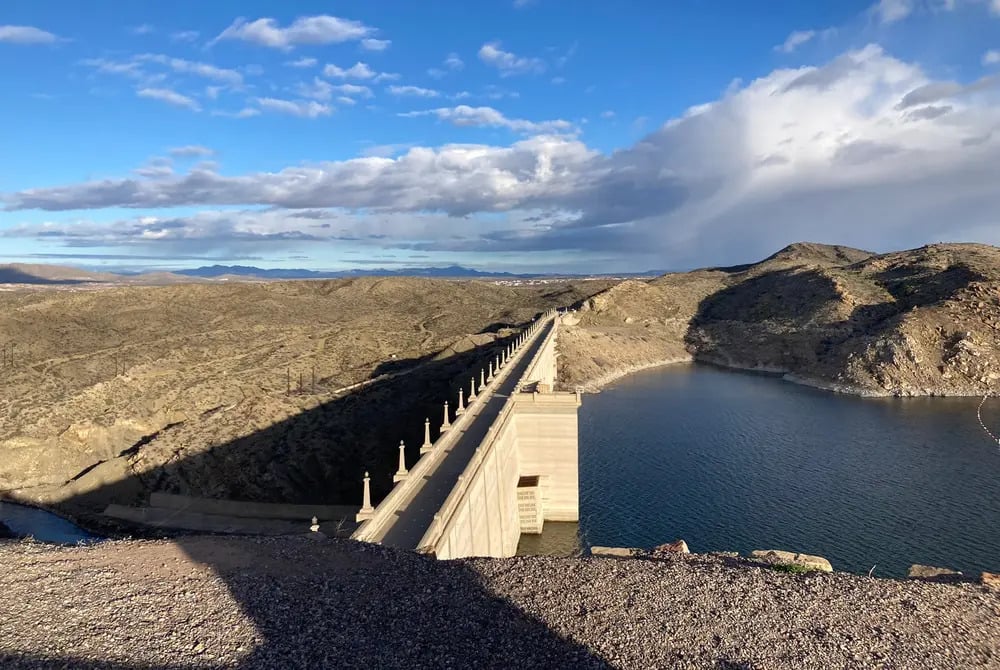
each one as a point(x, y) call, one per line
point(191, 151)
point(414, 91)
point(372, 44)
point(26, 35)
point(795, 40)
point(170, 97)
point(309, 109)
point(185, 36)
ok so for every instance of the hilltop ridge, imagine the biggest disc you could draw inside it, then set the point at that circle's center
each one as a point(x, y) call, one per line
point(918, 322)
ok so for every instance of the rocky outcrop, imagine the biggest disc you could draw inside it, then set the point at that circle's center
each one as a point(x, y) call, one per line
point(675, 547)
point(932, 573)
point(990, 580)
point(788, 558)
point(616, 552)
point(919, 322)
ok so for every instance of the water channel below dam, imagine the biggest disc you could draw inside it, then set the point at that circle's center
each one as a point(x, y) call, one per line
point(734, 461)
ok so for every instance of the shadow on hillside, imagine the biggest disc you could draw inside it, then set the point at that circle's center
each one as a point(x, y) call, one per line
point(12, 276)
point(787, 318)
point(341, 606)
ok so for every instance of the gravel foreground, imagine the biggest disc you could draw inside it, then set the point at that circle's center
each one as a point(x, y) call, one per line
point(303, 602)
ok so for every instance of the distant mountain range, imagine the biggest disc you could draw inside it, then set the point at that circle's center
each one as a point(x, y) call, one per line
point(213, 271)
point(56, 274)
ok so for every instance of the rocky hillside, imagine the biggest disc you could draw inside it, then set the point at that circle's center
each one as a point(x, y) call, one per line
point(918, 322)
point(233, 390)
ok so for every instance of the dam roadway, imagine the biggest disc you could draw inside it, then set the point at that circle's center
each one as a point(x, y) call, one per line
point(414, 518)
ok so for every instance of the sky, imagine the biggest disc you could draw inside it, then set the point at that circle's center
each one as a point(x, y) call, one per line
point(506, 135)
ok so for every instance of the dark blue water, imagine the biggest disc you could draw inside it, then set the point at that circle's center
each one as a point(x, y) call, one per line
point(734, 462)
point(41, 525)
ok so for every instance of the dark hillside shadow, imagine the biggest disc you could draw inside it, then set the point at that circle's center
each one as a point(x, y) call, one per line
point(798, 302)
point(337, 604)
point(12, 276)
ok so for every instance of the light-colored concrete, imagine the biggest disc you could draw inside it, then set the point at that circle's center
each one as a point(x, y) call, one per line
point(465, 500)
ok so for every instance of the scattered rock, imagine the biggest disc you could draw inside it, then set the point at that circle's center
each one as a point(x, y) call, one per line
point(777, 557)
point(918, 571)
point(620, 552)
point(676, 547)
point(990, 580)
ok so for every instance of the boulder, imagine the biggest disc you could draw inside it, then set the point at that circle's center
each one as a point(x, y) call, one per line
point(777, 557)
point(676, 547)
point(990, 580)
point(918, 571)
point(619, 552)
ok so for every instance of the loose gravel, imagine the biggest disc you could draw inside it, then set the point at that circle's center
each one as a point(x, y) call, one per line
point(305, 602)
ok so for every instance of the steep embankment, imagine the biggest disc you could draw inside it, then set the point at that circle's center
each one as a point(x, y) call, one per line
point(918, 322)
point(186, 388)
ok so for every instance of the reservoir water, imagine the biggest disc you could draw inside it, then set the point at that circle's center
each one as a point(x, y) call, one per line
point(43, 526)
point(733, 461)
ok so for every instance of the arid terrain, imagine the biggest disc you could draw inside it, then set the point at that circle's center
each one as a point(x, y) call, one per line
point(209, 389)
point(248, 390)
point(919, 322)
point(299, 602)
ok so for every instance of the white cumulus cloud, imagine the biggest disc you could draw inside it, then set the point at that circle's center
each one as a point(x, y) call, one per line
point(508, 63)
point(304, 30)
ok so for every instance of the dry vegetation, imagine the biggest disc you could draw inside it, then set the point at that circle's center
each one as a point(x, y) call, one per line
point(200, 401)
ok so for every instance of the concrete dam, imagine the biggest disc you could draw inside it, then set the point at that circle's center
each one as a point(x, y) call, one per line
point(504, 462)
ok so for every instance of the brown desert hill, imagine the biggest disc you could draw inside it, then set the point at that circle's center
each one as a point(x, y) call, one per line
point(188, 385)
point(918, 322)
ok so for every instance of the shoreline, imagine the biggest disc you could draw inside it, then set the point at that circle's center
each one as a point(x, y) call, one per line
point(598, 384)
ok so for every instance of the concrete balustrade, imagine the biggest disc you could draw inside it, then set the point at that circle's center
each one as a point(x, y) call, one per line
point(427, 445)
point(480, 515)
point(367, 511)
point(402, 472)
point(446, 424)
point(460, 410)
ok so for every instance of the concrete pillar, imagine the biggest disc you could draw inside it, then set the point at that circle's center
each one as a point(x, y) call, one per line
point(402, 472)
point(498, 364)
point(446, 424)
point(472, 390)
point(367, 510)
point(482, 379)
point(489, 379)
point(426, 446)
point(460, 410)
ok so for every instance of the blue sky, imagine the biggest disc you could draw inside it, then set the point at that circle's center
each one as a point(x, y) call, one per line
point(537, 135)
